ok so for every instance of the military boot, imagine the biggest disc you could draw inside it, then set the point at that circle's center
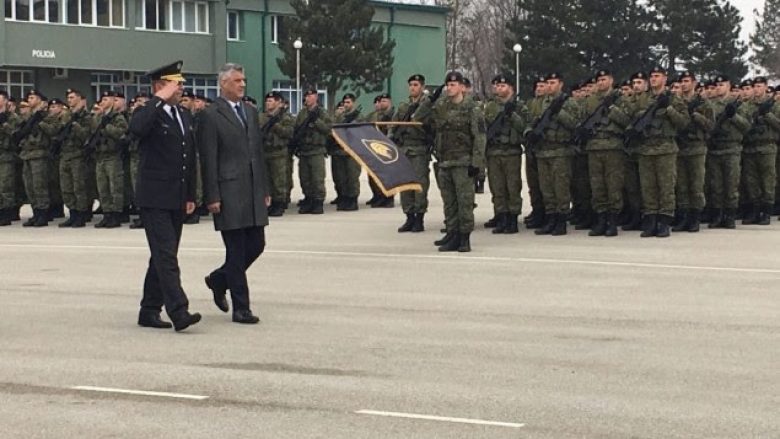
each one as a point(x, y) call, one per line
point(649, 226)
point(751, 215)
point(634, 221)
point(419, 223)
point(372, 200)
point(492, 221)
point(449, 236)
point(500, 222)
point(42, 218)
point(560, 225)
point(15, 213)
point(729, 215)
point(350, 204)
point(56, 211)
point(678, 217)
point(511, 224)
point(408, 224)
point(465, 243)
point(452, 245)
point(31, 221)
point(536, 220)
point(336, 200)
point(585, 222)
point(600, 228)
point(68, 222)
point(549, 225)
point(706, 215)
point(113, 220)
point(683, 221)
point(276, 209)
point(662, 226)
point(316, 207)
point(716, 219)
point(776, 208)
point(305, 206)
point(102, 222)
point(611, 228)
point(764, 218)
point(5, 217)
point(124, 216)
point(693, 221)
point(80, 219)
point(385, 202)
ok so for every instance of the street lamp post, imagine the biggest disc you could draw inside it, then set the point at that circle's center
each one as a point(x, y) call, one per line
point(517, 48)
point(297, 44)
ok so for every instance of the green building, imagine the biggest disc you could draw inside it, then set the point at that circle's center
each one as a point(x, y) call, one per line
point(94, 45)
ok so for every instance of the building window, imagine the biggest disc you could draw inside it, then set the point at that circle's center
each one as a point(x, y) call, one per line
point(16, 82)
point(105, 13)
point(278, 31)
point(287, 89)
point(173, 15)
point(132, 83)
point(233, 25)
point(202, 85)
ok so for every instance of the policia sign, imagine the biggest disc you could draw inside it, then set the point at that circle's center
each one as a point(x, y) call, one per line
point(386, 165)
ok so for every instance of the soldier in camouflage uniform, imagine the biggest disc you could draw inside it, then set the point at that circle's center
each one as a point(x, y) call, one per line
point(413, 142)
point(383, 112)
point(723, 156)
point(658, 153)
point(604, 147)
point(73, 164)
point(760, 153)
point(108, 126)
point(277, 127)
point(504, 153)
point(692, 142)
point(632, 195)
point(459, 127)
point(582, 211)
point(535, 108)
point(134, 156)
point(344, 169)
point(312, 128)
point(35, 144)
point(8, 156)
point(554, 152)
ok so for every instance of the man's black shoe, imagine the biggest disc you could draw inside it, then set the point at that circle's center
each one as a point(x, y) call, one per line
point(245, 316)
point(152, 320)
point(220, 298)
point(184, 320)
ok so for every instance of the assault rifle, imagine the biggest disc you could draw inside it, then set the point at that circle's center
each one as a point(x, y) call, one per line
point(500, 119)
point(28, 126)
point(295, 141)
point(537, 133)
point(640, 125)
point(587, 129)
point(89, 144)
point(728, 112)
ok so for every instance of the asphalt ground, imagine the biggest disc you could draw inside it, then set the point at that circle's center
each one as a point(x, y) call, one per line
point(524, 337)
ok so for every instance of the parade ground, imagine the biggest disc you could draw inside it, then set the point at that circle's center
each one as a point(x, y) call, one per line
point(368, 333)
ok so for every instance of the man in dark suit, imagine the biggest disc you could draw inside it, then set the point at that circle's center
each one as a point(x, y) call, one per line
point(165, 193)
point(235, 183)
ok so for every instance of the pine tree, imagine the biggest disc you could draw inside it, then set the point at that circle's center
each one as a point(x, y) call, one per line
point(765, 40)
point(341, 46)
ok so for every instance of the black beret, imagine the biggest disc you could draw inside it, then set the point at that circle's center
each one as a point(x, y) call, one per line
point(503, 79)
point(454, 77)
point(349, 96)
point(746, 83)
point(141, 94)
point(74, 91)
point(553, 75)
point(540, 79)
point(119, 94)
point(188, 94)
point(658, 69)
point(274, 95)
point(309, 90)
point(200, 97)
point(56, 101)
point(35, 92)
point(626, 83)
point(108, 94)
point(466, 81)
point(721, 78)
point(760, 80)
point(417, 77)
point(385, 96)
point(377, 98)
point(639, 75)
point(168, 72)
point(602, 72)
point(686, 74)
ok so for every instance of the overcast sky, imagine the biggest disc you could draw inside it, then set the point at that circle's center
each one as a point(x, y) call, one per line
point(748, 20)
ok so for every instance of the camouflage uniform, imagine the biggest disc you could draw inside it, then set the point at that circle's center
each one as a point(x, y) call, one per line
point(759, 157)
point(723, 163)
point(344, 169)
point(581, 192)
point(73, 164)
point(276, 137)
point(535, 108)
point(691, 158)
point(109, 167)
point(35, 152)
point(504, 153)
point(8, 166)
point(413, 141)
point(311, 157)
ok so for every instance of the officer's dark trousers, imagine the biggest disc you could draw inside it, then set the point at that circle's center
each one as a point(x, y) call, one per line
point(162, 284)
point(242, 248)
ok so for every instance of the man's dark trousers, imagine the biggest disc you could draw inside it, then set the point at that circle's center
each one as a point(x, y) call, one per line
point(162, 284)
point(242, 248)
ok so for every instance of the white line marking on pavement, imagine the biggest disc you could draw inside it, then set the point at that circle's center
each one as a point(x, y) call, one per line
point(462, 258)
point(140, 392)
point(439, 418)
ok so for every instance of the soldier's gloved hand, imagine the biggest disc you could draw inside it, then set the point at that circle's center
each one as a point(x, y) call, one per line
point(663, 100)
point(473, 171)
point(765, 107)
point(532, 137)
point(730, 110)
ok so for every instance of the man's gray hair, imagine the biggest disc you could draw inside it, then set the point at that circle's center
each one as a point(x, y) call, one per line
point(229, 68)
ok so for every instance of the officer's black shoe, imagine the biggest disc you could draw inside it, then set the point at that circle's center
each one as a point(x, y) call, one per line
point(68, 222)
point(536, 221)
point(15, 213)
point(192, 218)
point(716, 220)
point(202, 210)
point(464, 245)
point(419, 223)
point(137, 224)
point(662, 226)
point(500, 222)
point(585, 222)
point(751, 216)
point(98, 211)
point(152, 320)
point(694, 221)
point(113, 220)
point(316, 207)
point(479, 186)
point(549, 225)
point(489, 224)
point(336, 200)
point(649, 225)
point(184, 320)
point(42, 218)
point(80, 220)
point(452, 245)
point(445, 239)
point(634, 221)
point(219, 293)
point(246, 317)
point(30, 221)
point(372, 200)
point(5, 217)
point(600, 228)
point(729, 216)
point(407, 226)
point(611, 228)
point(511, 225)
point(764, 218)
point(560, 225)
point(683, 221)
